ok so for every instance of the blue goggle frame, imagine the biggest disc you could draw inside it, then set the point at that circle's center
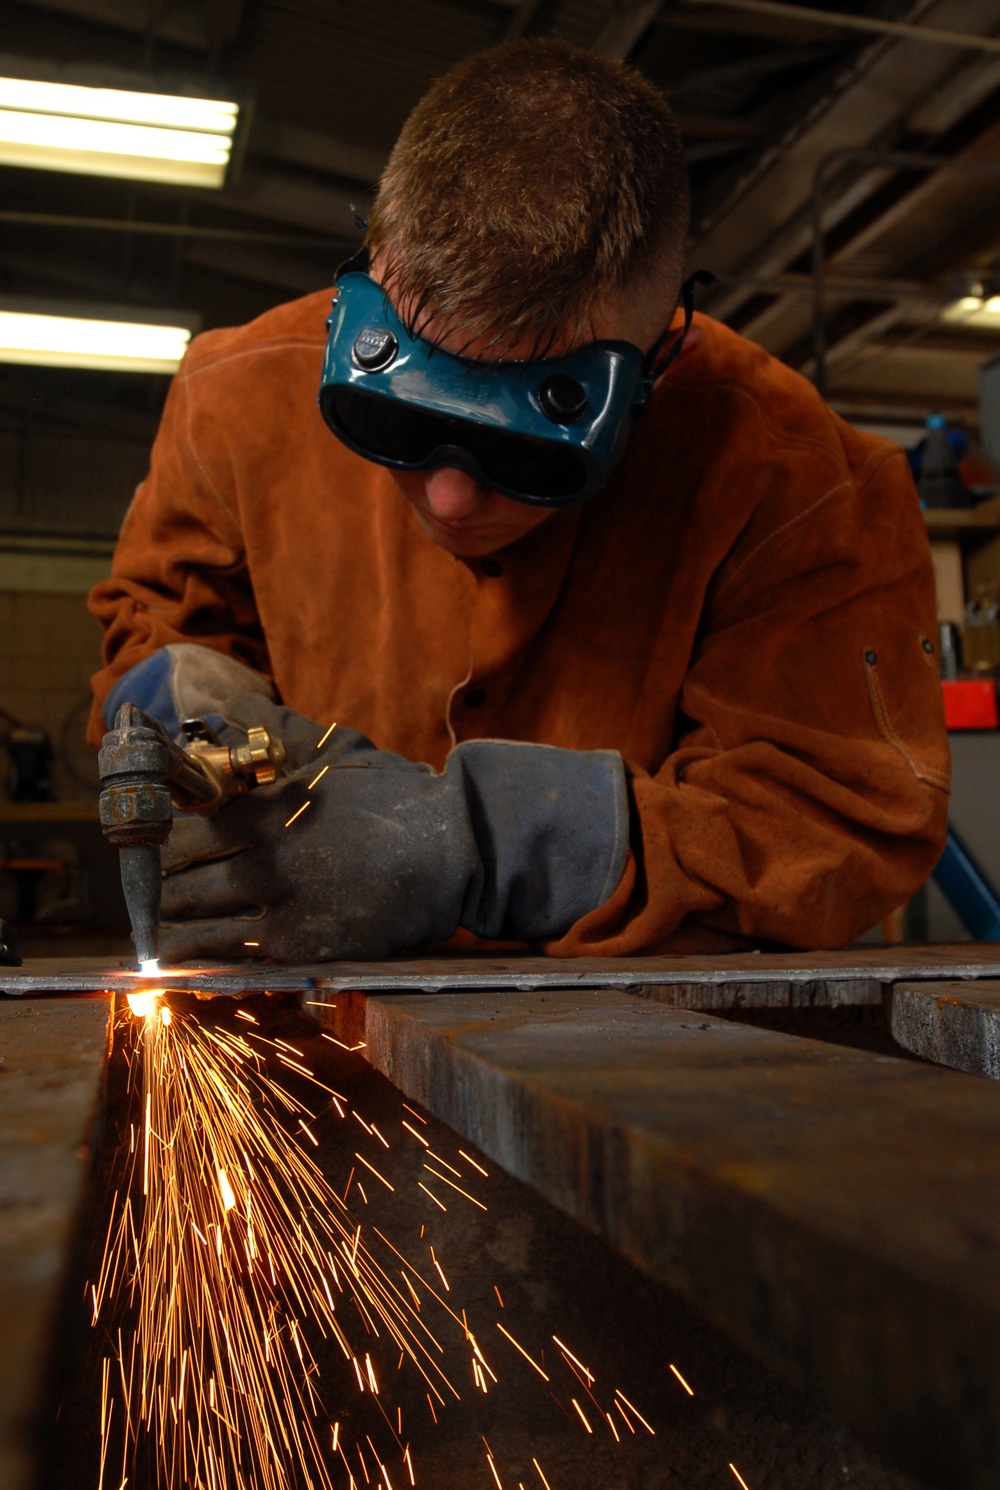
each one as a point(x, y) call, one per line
point(548, 432)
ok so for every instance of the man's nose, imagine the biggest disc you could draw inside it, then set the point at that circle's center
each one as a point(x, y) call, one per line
point(453, 494)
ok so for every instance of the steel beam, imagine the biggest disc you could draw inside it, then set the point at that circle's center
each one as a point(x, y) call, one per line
point(837, 1211)
point(954, 1024)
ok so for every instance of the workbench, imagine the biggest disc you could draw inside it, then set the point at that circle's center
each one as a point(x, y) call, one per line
point(835, 1209)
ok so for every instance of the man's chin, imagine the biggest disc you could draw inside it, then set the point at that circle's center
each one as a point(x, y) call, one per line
point(471, 543)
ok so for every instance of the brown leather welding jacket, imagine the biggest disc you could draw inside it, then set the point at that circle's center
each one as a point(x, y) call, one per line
point(746, 613)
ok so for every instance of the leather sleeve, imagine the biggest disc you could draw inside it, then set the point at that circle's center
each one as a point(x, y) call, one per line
point(808, 795)
point(179, 572)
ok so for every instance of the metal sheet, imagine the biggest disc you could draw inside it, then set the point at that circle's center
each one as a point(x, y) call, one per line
point(857, 975)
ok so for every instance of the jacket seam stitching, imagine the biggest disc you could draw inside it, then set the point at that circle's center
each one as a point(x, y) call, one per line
point(212, 362)
point(202, 468)
point(856, 482)
point(920, 769)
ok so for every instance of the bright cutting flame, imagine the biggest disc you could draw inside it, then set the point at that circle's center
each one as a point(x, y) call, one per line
point(143, 1003)
point(150, 968)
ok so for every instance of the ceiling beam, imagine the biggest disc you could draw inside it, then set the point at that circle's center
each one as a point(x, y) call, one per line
point(185, 23)
point(764, 224)
point(930, 35)
point(314, 150)
point(627, 26)
point(259, 266)
point(324, 209)
point(746, 69)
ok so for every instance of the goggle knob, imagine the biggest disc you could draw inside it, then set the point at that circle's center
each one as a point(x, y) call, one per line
point(562, 399)
point(374, 348)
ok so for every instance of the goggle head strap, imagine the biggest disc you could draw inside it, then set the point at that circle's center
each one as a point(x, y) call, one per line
point(654, 365)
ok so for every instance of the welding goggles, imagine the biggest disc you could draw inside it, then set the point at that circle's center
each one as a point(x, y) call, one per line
point(548, 432)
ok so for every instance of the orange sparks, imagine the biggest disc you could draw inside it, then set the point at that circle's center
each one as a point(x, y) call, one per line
point(521, 1348)
point(226, 1189)
point(145, 1150)
point(540, 1475)
point(446, 1181)
point(375, 1172)
point(469, 1159)
point(415, 1114)
point(567, 1352)
point(638, 1414)
point(418, 1136)
point(444, 1280)
point(499, 1298)
point(611, 1425)
point(739, 1477)
point(581, 1415)
point(318, 777)
point(432, 1195)
point(326, 736)
point(242, 1014)
point(680, 1378)
point(251, 944)
point(489, 1460)
point(438, 1160)
point(298, 814)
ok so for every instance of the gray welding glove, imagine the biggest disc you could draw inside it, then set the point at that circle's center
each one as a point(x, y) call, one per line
point(514, 842)
point(185, 681)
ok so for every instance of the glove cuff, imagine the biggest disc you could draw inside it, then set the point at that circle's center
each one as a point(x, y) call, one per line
point(184, 681)
point(551, 827)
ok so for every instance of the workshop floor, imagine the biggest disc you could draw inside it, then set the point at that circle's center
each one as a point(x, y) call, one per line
point(553, 1279)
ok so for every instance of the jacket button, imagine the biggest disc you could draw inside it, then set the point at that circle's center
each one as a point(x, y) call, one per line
point(475, 698)
point(870, 657)
point(492, 567)
point(928, 646)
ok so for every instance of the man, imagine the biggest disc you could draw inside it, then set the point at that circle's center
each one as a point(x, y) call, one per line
point(608, 679)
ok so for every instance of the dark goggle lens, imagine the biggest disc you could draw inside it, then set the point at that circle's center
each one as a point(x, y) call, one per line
point(394, 431)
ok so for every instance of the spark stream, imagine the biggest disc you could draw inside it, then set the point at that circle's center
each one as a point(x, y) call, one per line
point(228, 1248)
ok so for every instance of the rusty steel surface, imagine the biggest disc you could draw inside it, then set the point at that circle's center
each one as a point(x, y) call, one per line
point(955, 1024)
point(855, 976)
point(837, 1211)
point(51, 1062)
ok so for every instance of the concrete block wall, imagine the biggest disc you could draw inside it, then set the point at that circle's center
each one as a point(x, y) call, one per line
point(49, 647)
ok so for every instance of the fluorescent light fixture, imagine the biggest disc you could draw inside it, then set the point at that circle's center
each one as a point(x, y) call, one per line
point(98, 131)
point(974, 310)
point(121, 339)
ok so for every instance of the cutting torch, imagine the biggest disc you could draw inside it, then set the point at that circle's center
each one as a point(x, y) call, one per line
point(146, 776)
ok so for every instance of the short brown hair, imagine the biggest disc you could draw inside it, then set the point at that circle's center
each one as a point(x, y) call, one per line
point(529, 180)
